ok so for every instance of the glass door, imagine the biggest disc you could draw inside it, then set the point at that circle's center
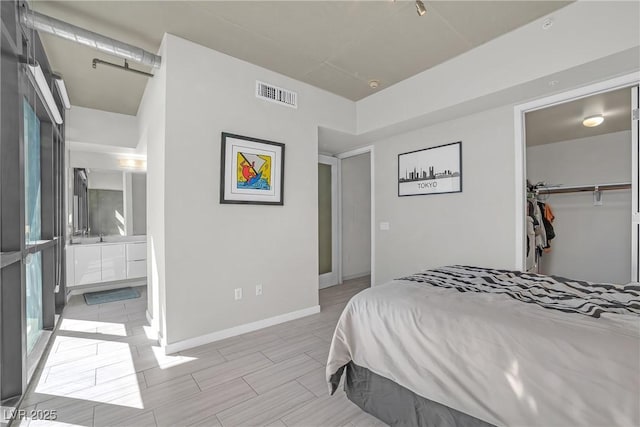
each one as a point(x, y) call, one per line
point(328, 245)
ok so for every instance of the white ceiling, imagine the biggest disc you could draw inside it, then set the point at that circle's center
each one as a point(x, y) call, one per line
point(563, 122)
point(335, 45)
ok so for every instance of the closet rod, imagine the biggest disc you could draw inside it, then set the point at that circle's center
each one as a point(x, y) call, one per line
point(579, 188)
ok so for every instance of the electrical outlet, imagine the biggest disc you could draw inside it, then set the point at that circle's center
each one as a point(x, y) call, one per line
point(238, 293)
point(258, 290)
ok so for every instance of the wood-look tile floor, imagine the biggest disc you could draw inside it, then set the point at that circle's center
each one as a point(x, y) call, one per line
point(104, 370)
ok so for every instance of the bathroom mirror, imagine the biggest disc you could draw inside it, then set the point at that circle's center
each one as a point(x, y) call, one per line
point(108, 202)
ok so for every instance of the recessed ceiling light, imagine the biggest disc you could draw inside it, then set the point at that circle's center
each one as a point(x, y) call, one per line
point(593, 121)
point(373, 84)
point(547, 23)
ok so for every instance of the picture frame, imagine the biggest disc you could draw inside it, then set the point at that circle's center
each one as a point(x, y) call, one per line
point(433, 170)
point(251, 171)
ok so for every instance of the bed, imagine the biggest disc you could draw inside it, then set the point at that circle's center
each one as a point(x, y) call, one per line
point(474, 346)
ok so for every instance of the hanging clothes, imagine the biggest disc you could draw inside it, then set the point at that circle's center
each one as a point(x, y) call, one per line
point(541, 232)
point(531, 248)
point(547, 219)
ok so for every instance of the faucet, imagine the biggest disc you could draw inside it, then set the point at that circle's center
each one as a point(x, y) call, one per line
point(101, 237)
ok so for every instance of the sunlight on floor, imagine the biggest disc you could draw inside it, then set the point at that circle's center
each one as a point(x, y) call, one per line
point(77, 325)
point(166, 361)
point(92, 350)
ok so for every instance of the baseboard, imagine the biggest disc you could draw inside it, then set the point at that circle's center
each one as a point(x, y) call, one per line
point(356, 276)
point(238, 330)
point(93, 287)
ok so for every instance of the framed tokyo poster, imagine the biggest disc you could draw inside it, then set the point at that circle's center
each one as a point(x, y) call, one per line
point(435, 170)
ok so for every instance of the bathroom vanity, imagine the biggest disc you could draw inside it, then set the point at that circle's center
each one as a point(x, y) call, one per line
point(92, 262)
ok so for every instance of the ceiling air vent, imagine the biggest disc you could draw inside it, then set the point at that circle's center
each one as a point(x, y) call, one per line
point(276, 94)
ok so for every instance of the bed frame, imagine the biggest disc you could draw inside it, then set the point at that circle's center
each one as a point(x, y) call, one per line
point(398, 406)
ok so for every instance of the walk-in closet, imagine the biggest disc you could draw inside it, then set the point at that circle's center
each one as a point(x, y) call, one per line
point(579, 188)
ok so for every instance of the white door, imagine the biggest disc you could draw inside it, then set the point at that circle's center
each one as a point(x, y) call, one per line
point(328, 245)
point(635, 186)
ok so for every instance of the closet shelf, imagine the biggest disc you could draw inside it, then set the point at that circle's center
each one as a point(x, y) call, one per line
point(579, 188)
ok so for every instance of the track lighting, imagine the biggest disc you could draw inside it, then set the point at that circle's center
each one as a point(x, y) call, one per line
point(420, 7)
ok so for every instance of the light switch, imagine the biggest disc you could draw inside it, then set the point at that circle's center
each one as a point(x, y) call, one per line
point(384, 226)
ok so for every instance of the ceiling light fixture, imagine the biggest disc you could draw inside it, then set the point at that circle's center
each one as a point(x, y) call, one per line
point(40, 81)
point(131, 163)
point(593, 121)
point(373, 84)
point(62, 90)
point(420, 8)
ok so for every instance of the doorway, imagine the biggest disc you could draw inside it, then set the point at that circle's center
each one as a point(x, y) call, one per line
point(346, 217)
point(328, 222)
point(584, 175)
point(355, 206)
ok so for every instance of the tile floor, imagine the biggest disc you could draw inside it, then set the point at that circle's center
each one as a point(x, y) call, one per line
point(104, 370)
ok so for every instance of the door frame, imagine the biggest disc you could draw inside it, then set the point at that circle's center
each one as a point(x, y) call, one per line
point(635, 185)
point(334, 277)
point(352, 153)
point(627, 80)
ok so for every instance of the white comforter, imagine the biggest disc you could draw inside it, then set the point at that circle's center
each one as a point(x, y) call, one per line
point(490, 356)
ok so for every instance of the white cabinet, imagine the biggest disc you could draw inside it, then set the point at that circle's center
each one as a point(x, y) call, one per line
point(87, 264)
point(136, 269)
point(113, 263)
point(95, 263)
point(136, 251)
point(136, 260)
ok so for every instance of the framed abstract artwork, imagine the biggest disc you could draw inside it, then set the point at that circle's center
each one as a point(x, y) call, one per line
point(435, 170)
point(252, 171)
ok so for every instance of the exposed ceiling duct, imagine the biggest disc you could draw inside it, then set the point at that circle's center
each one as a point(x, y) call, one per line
point(56, 27)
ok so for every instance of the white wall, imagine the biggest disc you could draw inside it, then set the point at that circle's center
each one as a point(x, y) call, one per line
point(356, 216)
point(152, 123)
point(592, 242)
point(105, 180)
point(475, 227)
point(88, 125)
point(210, 248)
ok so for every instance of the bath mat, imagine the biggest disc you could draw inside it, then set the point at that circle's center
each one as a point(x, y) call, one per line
point(111, 295)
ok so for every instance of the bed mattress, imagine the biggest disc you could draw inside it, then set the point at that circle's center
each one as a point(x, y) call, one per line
point(505, 347)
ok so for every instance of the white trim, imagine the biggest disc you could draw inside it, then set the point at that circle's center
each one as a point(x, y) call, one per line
point(149, 318)
point(356, 276)
point(339, 212)
point(627, 80)
point(95, 287)
point(635, 171)
point(237, 330)
point(334, 276)
point(355, 152)
point(351, 153)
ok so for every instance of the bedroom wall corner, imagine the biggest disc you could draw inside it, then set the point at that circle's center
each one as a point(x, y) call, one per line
point(213, 248)
point(475, 227)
